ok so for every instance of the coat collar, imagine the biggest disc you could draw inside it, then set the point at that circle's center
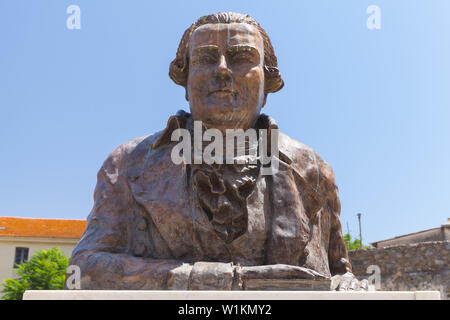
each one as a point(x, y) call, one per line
point(183, 119)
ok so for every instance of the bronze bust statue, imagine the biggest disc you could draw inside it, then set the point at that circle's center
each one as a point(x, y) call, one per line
point(157, 224)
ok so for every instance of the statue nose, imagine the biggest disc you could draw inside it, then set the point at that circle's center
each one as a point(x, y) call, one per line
point(223, 72)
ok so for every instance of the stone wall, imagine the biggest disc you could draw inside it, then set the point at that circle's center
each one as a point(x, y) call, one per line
point(420, 266)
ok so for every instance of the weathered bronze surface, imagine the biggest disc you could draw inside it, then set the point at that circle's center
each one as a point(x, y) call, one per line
point(160, 225)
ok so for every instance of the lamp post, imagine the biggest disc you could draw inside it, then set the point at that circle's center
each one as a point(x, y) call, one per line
point(360, 234)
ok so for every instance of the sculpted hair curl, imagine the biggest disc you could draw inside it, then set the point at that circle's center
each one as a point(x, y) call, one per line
point(179, 67)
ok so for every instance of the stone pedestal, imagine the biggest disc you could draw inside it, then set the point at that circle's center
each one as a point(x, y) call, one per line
point(227, 295)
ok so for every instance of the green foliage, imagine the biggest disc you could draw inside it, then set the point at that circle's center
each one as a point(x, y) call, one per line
point(353, 244)
point(46, 270)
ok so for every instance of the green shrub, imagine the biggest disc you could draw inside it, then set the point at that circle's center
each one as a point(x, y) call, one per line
point(353, 244)
point(46, 270)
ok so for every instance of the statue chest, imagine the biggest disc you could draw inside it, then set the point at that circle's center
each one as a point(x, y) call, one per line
point(268, 220)
point(202, 214)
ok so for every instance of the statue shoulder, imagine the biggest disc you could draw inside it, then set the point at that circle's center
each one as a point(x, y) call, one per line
point(306, 160)
point(131, 153)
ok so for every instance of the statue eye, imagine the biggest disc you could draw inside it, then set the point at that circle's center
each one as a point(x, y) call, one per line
point(204, 59)
point(243, 57)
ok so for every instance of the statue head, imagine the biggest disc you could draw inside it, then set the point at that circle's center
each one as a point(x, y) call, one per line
point(227, 65)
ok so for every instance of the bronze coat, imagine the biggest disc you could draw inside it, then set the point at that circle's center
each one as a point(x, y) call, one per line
point(145, 232)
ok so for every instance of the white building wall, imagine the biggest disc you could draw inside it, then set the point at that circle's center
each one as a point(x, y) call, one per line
point(8, 248)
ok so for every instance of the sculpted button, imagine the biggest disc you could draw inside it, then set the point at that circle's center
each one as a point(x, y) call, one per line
point(306, 252)
point(139, 250)
point(142, 225)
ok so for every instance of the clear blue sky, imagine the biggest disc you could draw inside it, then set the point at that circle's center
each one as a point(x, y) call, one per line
point(375, 104)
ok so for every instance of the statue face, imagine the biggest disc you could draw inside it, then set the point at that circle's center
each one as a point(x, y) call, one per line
point(226, 76)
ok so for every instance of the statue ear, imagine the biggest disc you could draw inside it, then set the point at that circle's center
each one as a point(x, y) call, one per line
point(273, 80)
point(178, 72)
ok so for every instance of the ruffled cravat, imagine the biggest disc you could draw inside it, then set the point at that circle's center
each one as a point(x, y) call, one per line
point(222, 191)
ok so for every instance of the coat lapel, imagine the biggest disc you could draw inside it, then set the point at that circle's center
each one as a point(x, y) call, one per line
point(290, 229)
point(162, 189)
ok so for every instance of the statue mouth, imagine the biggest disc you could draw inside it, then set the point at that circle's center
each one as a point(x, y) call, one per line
point(223, 92)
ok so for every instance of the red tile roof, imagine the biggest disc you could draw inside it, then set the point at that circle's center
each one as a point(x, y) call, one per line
point(41, 228)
